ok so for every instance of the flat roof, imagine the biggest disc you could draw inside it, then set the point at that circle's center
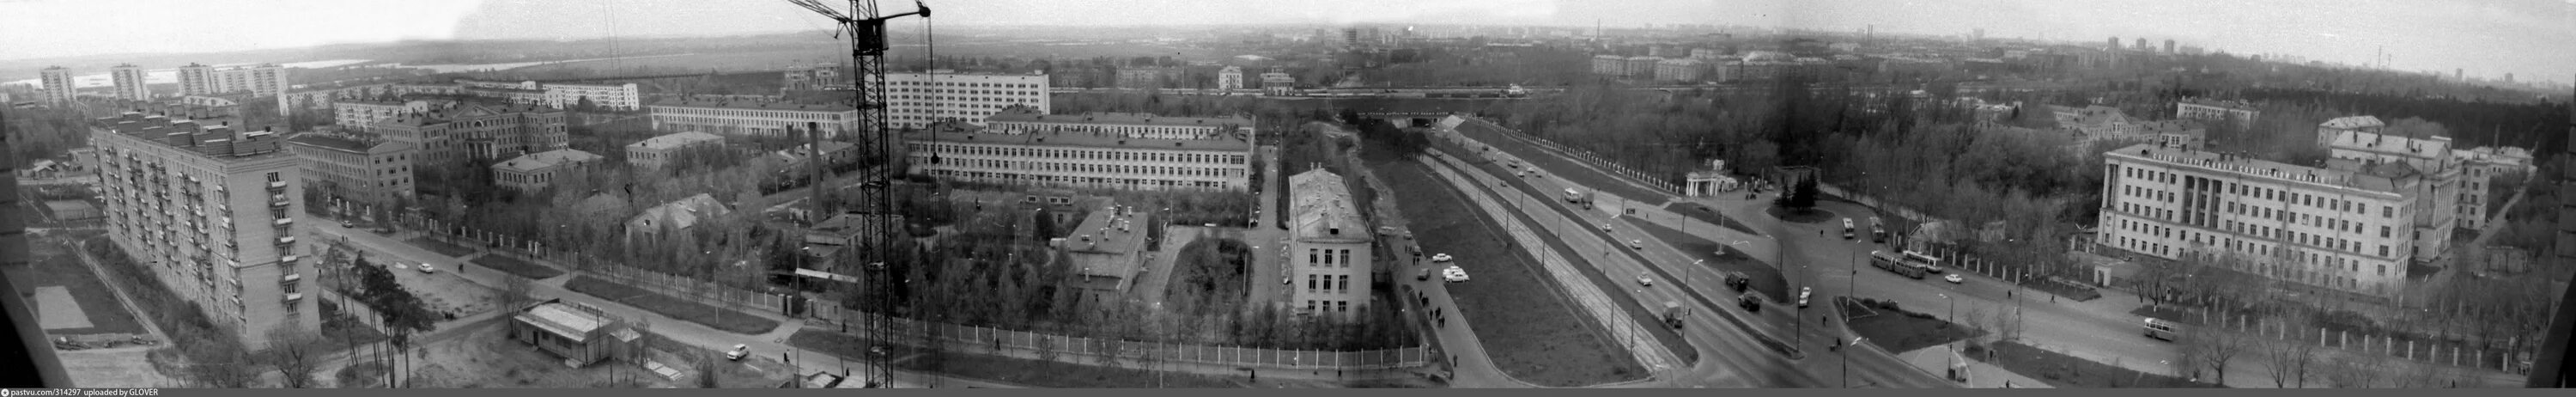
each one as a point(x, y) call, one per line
point(1109, 251)
point(755, 105)
point(563, 320)
point(1080, 139)
point(2254, 168)
point(675, 140)
point(1112, 118)
point(534, 161)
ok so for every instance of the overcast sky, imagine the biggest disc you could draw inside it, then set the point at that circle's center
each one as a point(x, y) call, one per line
point(2530, 38)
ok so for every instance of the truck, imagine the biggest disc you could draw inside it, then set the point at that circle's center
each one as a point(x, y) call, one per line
point(1673, 312)
point(1895, 264)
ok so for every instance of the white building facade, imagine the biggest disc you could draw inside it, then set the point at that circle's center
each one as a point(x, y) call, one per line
point(2351, 227)
point(1329, 249)
point(750, 118)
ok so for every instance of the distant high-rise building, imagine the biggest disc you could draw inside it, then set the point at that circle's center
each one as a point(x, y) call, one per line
point(1978, 34)
point(2461, 74)
point(129, 82)
point(2508, 78)
point(2115, 42)
point(2142, 45)
point(197, 79)
point(58, 85)
point(2169, 46)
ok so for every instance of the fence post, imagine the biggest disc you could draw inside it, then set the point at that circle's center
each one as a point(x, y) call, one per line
point(2410, 350)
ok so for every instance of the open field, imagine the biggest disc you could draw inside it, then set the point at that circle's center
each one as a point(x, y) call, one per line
point(90, 308)
point(692, 311)
point(1528, 325)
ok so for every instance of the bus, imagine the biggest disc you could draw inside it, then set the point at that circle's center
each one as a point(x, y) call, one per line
point(1895, 264)
point(1927, 262)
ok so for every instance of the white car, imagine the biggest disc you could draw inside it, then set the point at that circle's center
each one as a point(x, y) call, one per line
point(1637, 244)
point(1441, 257)
point(1954, 278)
point(425, 268)
point(1454, 274)
point(1803, 292)
point(1605, 227)
point(738, 352)
point(1642, 279)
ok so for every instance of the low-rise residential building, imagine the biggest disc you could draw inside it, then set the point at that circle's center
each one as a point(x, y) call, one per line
point(749, 118)
point(1106, 252)
point(1681, 70)
point(674, 216)
point(655, 152)
point(360, 114)
point(2329, 130)
point(355, 169)
point(1101, 150)
point(2242, 112)
point(1609, 65)
point(623, 97)
point(535, 171)
point(1329, 247)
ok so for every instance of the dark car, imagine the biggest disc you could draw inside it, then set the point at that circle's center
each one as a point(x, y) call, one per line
point(1750, 301)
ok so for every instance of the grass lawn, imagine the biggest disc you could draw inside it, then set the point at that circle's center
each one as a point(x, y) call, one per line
point(1033, 373)
point(57, 266)
point(442, 247)
point(1556, 166)
point(1532, 330)
point(1809, 216)
point(2064, 371)
point(1900, 331)
point(1211, 276)
point(711, 316)
point(1705, 213)
point(1719, 256)
point(516, 266)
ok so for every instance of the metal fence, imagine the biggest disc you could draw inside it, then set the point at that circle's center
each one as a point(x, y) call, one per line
point(1228, 356)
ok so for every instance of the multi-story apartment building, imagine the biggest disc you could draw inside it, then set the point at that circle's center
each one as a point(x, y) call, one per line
point(1329, 247)
point(129, 82)
point(655, 152)
point(1109, 150)
point(622, 97)
point(915, 100)
point(259, 80)
point(2455, 193)
point(58, 85)
point(1609, 65)
point(210, 210)
point(359, 169)
point(2353, 226)
point(1682, 70)
point(360, 114)
point(476, 131)
point(2213, 110)
point(1230, 78)
point(751, 118)
point(535, 171)
point(1639, 67)
point(197, 79)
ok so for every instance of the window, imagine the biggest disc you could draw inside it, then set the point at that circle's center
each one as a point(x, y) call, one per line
point(1310, 283)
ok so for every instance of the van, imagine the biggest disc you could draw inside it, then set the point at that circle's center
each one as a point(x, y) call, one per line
point(2160, 329)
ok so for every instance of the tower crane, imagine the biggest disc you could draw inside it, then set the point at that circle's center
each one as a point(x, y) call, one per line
point(866, 29)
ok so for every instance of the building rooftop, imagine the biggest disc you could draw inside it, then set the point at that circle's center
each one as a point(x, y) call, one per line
point(757, 105)
point(980, 135)
point(2230, 104)
point(680, 214)
point(566, 320)
point(2353, 122)
point(673, 140)
point(353, 143)
point(546, 159)
point(1320, 208)
point(2381, 177)
point(1111, 118)
point(1107, 242)
point(211, 136)
point(2436, 146)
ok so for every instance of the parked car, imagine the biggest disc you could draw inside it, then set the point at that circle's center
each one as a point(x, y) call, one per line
point(1441, 257)
point(1954, 278)
point(1643, 279)
point(1425, 274)
point(1803, 292)
point(738, 352)
point(1454, 274)
point(425, 268)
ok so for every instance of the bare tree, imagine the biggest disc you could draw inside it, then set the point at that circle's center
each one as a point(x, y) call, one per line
point(294, 354)
point(516, 292)
point(2214, 346)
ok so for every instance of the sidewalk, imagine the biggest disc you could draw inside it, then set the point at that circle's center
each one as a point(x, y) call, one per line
point(1980, 374)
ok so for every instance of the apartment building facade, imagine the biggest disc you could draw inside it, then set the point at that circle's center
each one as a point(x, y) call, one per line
point(210, 211)
point(2456, 192)
point(129, 82)
point(1118, 151)
point(477, 131)
point(2353, 226)
point(916, 100)
point(2215, 110)
point(58, 84)
point(360, 169)
point(1329, 248)
point(656, 152)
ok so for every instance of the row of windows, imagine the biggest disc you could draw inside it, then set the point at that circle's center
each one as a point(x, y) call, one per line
point(2268, 268)
point(2234, 189)
point(1321, 306)
point(1331, 284)
point(1325, 257)
point(1093, 168)
point(2274, 233)
point(2257, 249)
point(1081, 154)
point(817, 115)
point(960, 84)
point(1071, 180)
point(968, 92)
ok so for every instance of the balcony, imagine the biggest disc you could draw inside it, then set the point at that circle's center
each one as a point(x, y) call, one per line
point(289, 259)
point(277, 201)
point(276, 185)
point(291, 297)
point(286, 240)
point(291, 278)
point(285, 221)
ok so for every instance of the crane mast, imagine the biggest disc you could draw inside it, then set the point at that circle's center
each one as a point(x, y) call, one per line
point(866, 30)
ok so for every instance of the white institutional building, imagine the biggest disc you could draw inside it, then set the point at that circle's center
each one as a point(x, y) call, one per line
point(1329, 252)
point(1101, 150)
